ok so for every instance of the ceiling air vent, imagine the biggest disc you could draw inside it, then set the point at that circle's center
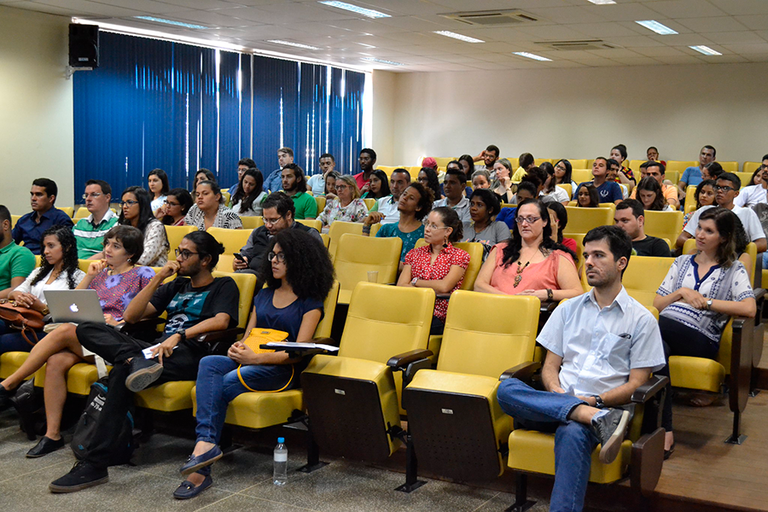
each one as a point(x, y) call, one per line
point(587, 44)
point(491, 18)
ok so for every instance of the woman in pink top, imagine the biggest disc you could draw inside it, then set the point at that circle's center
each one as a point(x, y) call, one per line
point(530, 263)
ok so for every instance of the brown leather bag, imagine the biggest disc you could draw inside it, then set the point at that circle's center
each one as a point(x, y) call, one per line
point(28, 321)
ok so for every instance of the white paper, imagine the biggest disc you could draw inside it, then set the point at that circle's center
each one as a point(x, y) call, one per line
point(289, 345)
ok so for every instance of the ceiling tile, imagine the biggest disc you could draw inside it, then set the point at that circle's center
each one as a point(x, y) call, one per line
point(684, 8)
point(712, 24)
point(741, 6)
point(735, 37)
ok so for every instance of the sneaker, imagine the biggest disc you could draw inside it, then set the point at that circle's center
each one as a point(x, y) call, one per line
point(143, 373)
point(610, 428)
point(82, 476)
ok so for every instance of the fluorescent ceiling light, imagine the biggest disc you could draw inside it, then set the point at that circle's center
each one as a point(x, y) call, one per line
point(295, 45)
point(656, 27)
point(602, 2)
point(533, 56)
point(366, 45)
point(381, 61)
point(706, 50)
point(370, 13)
point(170, 22)
point(460, 37)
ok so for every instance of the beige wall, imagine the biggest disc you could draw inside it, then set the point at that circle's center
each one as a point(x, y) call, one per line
point(35, 106)
point(581, 113)
point(383, 131)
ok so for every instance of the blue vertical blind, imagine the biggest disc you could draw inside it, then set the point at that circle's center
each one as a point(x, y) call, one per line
point(179, 107)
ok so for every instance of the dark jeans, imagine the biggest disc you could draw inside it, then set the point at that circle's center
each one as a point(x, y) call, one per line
point(437, 327)
point(117, 348)
point(13, 341)
point(681, 340)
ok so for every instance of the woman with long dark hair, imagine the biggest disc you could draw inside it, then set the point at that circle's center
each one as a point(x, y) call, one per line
point(209, 210)
point(249, 194)
point(531, 263)
point(157, 183)
point(175, 208)
point(650, 194)
point(379, 186)
point(136, 211)
point(428, 178)
point(558, 218)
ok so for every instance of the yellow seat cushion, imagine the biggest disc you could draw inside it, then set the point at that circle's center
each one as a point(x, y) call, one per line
point(10, 362)
point(696, 373)
point(259, 410)
point(168, 397)
point(79, 378)
point(535, 452)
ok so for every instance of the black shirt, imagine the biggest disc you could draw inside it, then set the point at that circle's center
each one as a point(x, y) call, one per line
point(187, 306)
point(651, 246)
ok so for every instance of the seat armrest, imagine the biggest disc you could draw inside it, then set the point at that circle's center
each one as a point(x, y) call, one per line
point(212, 337)
point(401, 361)
point(523, 371)
point(759, 293)
point(548, 306)
point(646, 391)
point(146, 323)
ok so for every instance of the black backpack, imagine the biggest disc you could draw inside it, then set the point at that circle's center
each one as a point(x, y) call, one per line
point(86, 425)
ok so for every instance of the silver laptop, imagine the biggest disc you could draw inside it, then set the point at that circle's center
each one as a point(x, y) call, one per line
point(74, 306)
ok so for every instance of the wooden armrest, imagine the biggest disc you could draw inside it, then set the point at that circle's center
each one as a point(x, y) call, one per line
point(548, 306)
point(400, 361)
point(212, 337)
point(146, 323)
point(646, 391)
point(523, 371)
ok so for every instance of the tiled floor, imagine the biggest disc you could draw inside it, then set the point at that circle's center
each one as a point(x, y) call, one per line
point(242, 481)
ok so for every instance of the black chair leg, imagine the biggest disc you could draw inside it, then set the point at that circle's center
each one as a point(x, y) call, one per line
point(313, 455)
point(735, 437)
point(522, 503)
point(412, 481)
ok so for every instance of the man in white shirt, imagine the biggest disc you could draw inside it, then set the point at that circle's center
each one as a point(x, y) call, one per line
point(726, 190)
point(602, 346)
point(453, 186)
point(755, 194)
point(385, 210)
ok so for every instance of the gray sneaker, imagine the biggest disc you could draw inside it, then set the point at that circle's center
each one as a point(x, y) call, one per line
point(143, 373)
point(610, 429)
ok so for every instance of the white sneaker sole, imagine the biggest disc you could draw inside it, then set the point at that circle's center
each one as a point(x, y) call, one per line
point(610, 450)
point(142, 379)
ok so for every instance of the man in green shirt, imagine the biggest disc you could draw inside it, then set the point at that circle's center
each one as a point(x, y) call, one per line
point(89, 232)
point(16, 262)
point(295, 185)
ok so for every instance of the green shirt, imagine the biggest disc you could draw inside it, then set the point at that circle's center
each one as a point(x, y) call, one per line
point(15, 261)
point(306, 206)
point(90, 238)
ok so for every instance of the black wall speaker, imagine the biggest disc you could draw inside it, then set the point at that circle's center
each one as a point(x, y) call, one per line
point(83, 46)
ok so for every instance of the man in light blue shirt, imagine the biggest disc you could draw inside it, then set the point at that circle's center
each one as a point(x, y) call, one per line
point(273, 182)
point(692, 175)
point(602, 346)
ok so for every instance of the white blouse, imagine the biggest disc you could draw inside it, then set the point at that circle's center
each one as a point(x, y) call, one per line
point(60, 283)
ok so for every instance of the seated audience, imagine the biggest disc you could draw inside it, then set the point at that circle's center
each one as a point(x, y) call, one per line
point(317, 182)
point(698, 295)
point(196, 303)
point(89, 232)
point(537, 177)
point(608, 191)
point(525, 190)
point(299, 275)
point(483, 208)
point(652, 155)
point(58, 270)
point(137, 212)
point(175, 207)
point(278, 216)
point(414, 205)
point(379, 186)
point(453, 186)
point(614, 171)
point(705, 196)
point(502, 184)
point(587, 197)
point(489, 156)
point(531, 263)
point(468, 166)
point(348, 207)
point(563, 171)
point(202, 175)
point(755, 193)
point(438, 265)
point(550, 191)
point(650, 195)
point(16, 262)
point(481, 179)
point(624, 174)
point(117, 281)
point(428, 179)
point(249, 194)
point(30, 227)
point(385, 208)
point(558, 219)
point(242, 165)
point(157, 184)
point(693, 175)
point(295, 185)
point(711, 171)
point(330, 185)
point(630, 217)
point(367, 162)
point(525, 162)
point(657, 171)
point(209, 210)
point(274, 181)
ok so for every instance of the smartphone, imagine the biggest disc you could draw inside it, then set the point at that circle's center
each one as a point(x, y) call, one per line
point(239, 256)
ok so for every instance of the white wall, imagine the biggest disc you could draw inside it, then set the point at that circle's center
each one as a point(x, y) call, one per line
point(581, 113)
point(36, 135)
point(383, 130)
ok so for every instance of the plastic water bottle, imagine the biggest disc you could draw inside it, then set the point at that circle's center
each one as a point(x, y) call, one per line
point(280, 463)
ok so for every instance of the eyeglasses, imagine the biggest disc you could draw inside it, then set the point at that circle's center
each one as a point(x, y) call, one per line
point(279, 255)
point(434, 226)
point(93, 195)
point(341, 187)
point(527, 220)
point(724, 188)
point(272, 222)
point(128, 203)
point(171, 204)
point(182, 255)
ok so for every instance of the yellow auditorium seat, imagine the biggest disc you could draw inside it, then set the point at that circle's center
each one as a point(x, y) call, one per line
point(590, 161)
point(225, 195)
point(750, 167)
point(175, 235)
point(443, 161)
point(369, 202)
point(680, 165)
point(729, 166)
point(251, 223)
point(538, 161)
point(581, 175)
point(313, 223)
point(664, 224)
point(578, 163)
point(744, 177)
point(81, 213)
point(567, 187)
point(326, 239)
point(353, 399)
point(261, 409)
point(14, 220)
point(458, 428)
point(690, 199)
point(635, 166)
point(673, 176)
point(320, 200)
point(338, 228)
point(69, 210)
point(232, 239)
point(387, 169)
point(581, 220)
point(356, 255)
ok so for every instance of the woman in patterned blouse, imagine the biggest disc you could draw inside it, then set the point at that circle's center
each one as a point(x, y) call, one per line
point(347, 206)
point(439, 265)
point(209, 210)
point(137, 212)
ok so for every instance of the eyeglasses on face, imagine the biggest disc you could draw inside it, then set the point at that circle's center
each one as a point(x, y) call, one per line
point(724, 188)
point(169, 203)
point(528, 220)
point(184, 254)
point(128, 203)
point(272, 222)
point(92, 195)
point(279, 255)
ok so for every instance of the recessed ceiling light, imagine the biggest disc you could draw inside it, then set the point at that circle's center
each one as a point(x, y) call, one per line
point(291, 43)
point(370, 13)
point(656, 27)
point(381, 61)
point(460, 37)
point(366, 45)
point(170, 22)
point(706, 50)
point(533, 56)
point(602, 2)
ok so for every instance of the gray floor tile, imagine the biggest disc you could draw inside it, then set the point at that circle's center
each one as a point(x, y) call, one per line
point(242, 502)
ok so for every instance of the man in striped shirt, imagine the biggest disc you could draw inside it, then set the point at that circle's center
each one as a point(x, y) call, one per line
point(89, 232)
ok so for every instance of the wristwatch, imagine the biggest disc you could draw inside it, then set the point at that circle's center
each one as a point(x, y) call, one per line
point(550, 295)
point(413, 281)
point(599, 402)
point(709, 304)
point(183, 334)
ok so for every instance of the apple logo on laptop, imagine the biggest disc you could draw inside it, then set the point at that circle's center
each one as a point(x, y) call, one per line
point(73, 308)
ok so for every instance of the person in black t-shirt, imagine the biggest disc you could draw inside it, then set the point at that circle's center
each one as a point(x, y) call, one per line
point(196, 303)
point(630, 217)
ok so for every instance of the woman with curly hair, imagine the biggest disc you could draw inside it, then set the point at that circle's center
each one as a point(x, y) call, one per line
point(428, 178)
point(117, 280)
point(299, 275)
point(57, 271)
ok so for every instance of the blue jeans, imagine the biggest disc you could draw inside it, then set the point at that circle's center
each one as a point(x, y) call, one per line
point(574, 442)
point(218, 384)
point(13, 341)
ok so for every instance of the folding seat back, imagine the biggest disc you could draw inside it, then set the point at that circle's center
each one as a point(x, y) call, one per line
point(313, 223)
point(690, 199)
point(69, 210)
point(320, 200)
point(581, 220)
point(749, 167)
point(731, 167)
point(356, 255)
point(680, 165)
point(232, 239)
point(568, 189)
point(643, 277)
point(175, 234)
point(577, 163)
point(251, 223)
point(581, 175)
point(663, 224)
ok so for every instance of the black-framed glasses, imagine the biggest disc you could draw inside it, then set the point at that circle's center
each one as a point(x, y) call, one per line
point(528, 220)
point(184, 254)
point(724, 188)
point(171, 204)
point(128, 202)
point(279, 255)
